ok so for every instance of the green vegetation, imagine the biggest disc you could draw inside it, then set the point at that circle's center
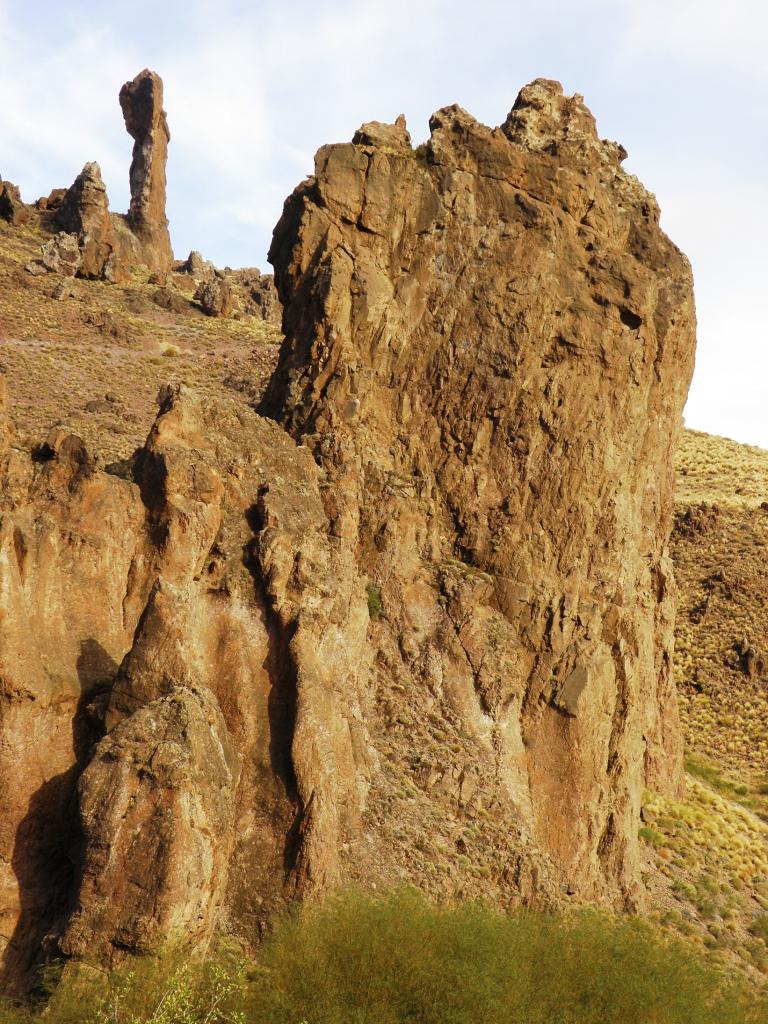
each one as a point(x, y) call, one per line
point(650, 835)
point(358, 959)
point(375, 603)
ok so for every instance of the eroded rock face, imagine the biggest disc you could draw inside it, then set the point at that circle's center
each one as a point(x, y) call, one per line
point(70, 537)
point(488, 348)
point(225, 657)
point(414, 625)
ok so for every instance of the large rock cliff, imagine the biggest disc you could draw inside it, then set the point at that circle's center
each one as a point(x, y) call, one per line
point(489, 342)
point(412, 622)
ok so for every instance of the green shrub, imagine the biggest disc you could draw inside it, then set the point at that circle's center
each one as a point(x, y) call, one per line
point(375, 603)
point(650, 835)
point(397, 959)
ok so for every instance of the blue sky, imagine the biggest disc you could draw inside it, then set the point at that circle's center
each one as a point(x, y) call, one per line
point(253, 89)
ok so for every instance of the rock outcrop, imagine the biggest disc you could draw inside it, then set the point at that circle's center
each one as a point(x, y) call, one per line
point(141, 101)
point(221, 292)
point(84, 212)
point(223, 656)
point(112, 245)
point(410, 623)
point(215, 296)
point(12, 208)
point(488, 347)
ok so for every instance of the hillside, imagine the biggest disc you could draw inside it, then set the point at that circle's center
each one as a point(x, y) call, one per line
point(709, 871)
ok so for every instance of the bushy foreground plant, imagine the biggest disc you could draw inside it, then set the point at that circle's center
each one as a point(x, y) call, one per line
point(396, 959)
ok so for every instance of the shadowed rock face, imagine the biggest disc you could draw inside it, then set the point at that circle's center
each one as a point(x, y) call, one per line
point(414, 624)
point(141, 101)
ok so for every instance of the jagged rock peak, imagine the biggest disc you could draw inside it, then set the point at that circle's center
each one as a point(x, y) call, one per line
point(543, 118)
point(110, 245)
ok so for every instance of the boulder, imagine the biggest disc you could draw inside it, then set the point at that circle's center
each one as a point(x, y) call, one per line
point(61, 254)
point(215, 297)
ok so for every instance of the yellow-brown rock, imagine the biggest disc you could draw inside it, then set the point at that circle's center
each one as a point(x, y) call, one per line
point(412, 623)
point(489, 345)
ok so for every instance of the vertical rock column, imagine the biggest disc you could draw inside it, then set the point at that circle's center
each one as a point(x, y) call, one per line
point(141, 101)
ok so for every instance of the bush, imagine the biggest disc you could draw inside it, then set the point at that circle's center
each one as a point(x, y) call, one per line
point(396, 959)
point(375, 603)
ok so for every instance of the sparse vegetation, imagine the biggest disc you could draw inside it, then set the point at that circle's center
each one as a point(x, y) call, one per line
point(397, 959)
point(375, 603)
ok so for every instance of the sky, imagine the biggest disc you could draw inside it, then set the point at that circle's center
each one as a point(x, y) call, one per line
point(253, 89)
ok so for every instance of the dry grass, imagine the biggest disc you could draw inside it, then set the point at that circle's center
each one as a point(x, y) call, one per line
point(62, 355)
point(718, 470)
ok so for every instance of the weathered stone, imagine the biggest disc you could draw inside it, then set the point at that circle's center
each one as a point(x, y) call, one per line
point(84, 211)
point(488, 348)
point(12, 208)
point(258, 295)
point(199, 268)
point(52, 201)
point(394, 137)
point(215, 297)
point(61, 255)
point(157, 806)
point(141, 101)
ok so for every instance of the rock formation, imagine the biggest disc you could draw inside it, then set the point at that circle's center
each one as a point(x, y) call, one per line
point(412, 622)
point(215, 296)
point(221, 292)
point(141, 101)
point(488, 348)
point(84, 212)
point(12, 208)
point(112, 245)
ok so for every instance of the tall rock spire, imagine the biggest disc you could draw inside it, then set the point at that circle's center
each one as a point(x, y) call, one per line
point(141, 101)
